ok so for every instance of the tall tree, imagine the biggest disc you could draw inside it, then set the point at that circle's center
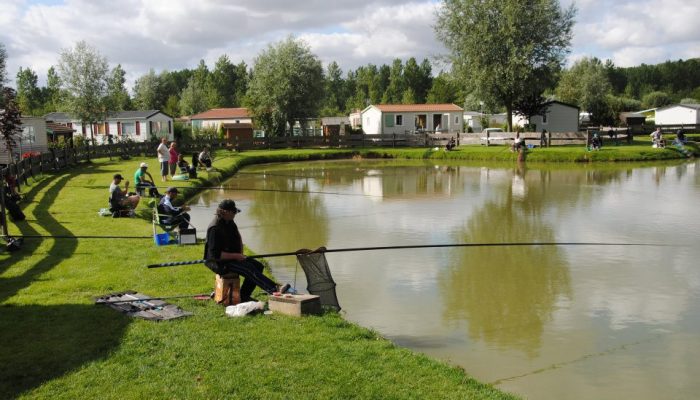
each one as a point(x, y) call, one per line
point(10, 120)
point(586, 85)
point(83, 71)
point(287, 86)
point(117, 96)
point(51, 93)
point(3, 65)
point(147, 91)
point(334, 91)
point(397, 84)
point(444, 90)
point(505, 50)
point(193, 98)
point(28, 92)
point(229, 81)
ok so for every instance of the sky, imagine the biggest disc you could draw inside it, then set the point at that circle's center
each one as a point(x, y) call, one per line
point(176, 34)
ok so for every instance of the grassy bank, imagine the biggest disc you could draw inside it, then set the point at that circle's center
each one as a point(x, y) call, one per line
point(57, 344)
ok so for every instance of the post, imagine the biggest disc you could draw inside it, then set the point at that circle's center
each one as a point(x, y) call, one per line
point(548, 138)
point(488, 136)
point(3, 210)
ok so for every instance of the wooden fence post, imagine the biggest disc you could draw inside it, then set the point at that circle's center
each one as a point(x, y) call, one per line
point(488, 136)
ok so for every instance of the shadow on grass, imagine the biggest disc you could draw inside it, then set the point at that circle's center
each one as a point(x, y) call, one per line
point(60, 249)
point(45, 342)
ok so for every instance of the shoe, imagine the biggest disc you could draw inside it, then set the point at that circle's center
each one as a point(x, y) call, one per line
point(284, 289)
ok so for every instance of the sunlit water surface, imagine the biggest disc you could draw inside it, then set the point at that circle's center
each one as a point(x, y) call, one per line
point(545, 322)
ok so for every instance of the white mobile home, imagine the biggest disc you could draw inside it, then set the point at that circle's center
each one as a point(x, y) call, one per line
point(138, 126)
point(31, 139)
point(407, 118)
point(678, 114)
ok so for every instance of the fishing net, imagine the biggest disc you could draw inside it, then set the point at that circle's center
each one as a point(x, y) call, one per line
point(318, 277)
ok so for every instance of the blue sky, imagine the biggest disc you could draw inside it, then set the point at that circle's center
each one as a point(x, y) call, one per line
point(176, 34)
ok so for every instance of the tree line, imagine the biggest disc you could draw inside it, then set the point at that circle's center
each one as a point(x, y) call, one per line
point(504, 55)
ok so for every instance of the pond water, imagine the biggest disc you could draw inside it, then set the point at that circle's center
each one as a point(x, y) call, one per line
point(545, 322)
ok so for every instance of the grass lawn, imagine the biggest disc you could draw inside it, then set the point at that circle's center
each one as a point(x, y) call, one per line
point(57, 344)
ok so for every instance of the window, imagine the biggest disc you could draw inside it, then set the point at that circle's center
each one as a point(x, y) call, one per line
point(399, 120)
point(457, 120)
point(28, 135)
point(138, 128)
point(128, 128)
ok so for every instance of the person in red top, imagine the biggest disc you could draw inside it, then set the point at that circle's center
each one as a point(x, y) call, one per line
point(172, 163)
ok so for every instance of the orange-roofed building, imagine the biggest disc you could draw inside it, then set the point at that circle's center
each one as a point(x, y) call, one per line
point(236, 122)
point(412, 118)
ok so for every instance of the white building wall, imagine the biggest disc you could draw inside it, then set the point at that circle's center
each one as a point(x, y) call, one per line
point(560, 118)
point(32, 138)
point(375, 122)
point(371, 121)
point(677, 115)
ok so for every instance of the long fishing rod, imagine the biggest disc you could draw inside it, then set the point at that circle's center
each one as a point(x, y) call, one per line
point(239, 188)
point(194, 296)
point(419, 246)
point(76, 237)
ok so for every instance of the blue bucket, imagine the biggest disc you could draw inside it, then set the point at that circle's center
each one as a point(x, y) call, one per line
point(162, 239)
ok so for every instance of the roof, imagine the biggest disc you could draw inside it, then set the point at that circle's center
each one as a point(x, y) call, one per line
point(562, 103)
point(139, 114)
point(58, 129)
point(418, 107)
point(693, 106)
point(57, 116)
point(222, 113)
point(335, 120)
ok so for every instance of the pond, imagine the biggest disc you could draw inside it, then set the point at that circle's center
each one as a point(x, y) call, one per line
point(545, 322)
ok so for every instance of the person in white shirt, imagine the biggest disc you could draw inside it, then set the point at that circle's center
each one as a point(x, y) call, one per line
point(164, 158)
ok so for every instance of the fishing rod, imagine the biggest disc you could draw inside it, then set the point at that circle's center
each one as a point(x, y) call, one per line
point(194, 296)
point(418, 246)
point(238, 188)
point(75, 237)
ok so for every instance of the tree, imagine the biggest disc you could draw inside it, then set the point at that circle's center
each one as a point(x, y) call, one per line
point(3, 65)
point(656, 99)
point(505, 50)
point(397, 85)
point(28, 93)
point(287, 86)
point(83, 71)
point(530, 105)
point(193, 98)
point(229, 81)
point(10, 120)
point(586, 85)
point(444, 90)
point(51, 93)
point(147, 91)
point(117, 95)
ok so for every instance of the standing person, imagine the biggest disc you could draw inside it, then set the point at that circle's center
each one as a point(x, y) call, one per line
point(171, 215)
point(120, 197)
point(144, 180)
point(172, 163)
point(224, 243)
point(543, 138)
point(163, 158)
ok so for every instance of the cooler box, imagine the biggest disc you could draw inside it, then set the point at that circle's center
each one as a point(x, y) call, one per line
point(295, 304)
point(188, 236)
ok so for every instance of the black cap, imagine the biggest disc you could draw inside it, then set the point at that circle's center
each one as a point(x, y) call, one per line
point(228, 205)
point(118, 176)
point(172, 189)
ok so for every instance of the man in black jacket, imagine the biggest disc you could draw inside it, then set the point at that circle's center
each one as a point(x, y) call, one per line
point(224, 243)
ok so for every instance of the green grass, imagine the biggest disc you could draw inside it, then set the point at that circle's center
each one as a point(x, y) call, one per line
point(57, 344)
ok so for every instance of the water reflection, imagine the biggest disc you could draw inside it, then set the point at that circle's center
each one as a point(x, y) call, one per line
point(507, 295)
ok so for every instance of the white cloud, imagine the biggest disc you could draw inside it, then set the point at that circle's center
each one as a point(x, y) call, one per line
point(176, 34)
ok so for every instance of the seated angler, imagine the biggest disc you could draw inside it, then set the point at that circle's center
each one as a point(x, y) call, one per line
point(205, 157)
point(122, 198)
point(144, 180)
point(224, 253)
point(185, 167)
point(171, 215)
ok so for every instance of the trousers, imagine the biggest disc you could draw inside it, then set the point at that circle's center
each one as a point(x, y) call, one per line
point(252, 270)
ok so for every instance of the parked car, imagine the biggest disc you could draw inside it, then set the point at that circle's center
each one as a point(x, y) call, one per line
point(492, 130)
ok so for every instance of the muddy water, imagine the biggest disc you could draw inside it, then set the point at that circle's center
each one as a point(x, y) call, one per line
point(545, 322)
